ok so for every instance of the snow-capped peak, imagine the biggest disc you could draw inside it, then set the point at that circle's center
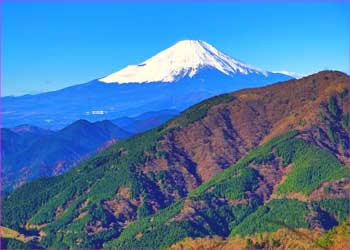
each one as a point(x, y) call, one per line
point(185, 58)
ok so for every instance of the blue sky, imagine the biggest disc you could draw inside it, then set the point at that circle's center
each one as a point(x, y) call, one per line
point(51, 45)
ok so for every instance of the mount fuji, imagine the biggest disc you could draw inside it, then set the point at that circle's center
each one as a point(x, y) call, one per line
point(176, 78)
point(185, 59)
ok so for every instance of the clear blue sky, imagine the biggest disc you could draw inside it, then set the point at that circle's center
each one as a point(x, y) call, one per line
point(51, 45)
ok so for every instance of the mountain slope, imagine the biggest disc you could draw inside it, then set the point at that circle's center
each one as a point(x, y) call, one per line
point(219, 163)
point(11, 142)
point(18, 138)
point(145, 121)
point(182, 75)
point(184, 59)
point(238, 200)
point(52, 154)
point(26, 146)
point(337, 238)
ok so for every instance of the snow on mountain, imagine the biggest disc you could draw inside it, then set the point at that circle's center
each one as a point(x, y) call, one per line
point(199, 70)
point(185, 58)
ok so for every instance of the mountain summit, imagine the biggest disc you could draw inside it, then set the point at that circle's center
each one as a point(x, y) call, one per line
point(199, 70)
point(184, 59)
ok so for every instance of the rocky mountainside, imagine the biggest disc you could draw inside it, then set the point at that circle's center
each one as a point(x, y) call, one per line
point(252, 161)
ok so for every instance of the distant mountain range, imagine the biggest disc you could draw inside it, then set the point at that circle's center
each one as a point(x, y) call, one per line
point(27, 130)
point(256, 165)
point(29, 152)
point(176, 78)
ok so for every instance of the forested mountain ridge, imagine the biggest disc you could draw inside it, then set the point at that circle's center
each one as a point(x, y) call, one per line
point(176, 172)
point(335, 239)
